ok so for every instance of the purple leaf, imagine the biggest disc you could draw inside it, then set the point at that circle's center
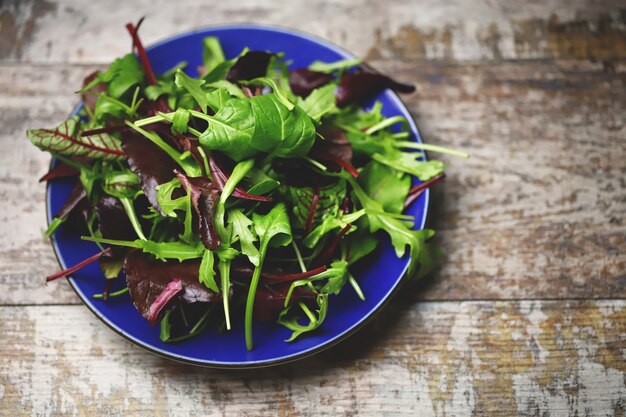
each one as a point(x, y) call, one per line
point(360, 86)
point(204, 197)
point(147, 278)
point(170, 291)
point(151, 164)
point(303, 81)
point(269, 301)
point(61, 170)
point(251, 65)
point(77, 195)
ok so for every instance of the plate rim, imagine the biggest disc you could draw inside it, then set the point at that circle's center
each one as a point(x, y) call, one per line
point(86, 300)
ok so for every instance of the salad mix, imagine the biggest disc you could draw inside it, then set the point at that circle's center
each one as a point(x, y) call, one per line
point(247, 186)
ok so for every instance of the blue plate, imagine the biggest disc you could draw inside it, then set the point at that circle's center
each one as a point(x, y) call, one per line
point(379, 276)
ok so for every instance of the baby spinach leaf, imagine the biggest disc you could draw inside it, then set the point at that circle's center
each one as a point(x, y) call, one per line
point(216, 99)
point(320, 103)
point(231, 130)
point(280, 131)
point(67, 140)
point(385, 185)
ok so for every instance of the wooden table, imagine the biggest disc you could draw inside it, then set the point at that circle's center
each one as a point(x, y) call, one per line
point(527, 315)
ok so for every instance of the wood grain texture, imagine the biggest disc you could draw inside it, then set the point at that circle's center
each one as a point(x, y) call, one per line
point(70, 31)
point(535, 91)
point(427, 359)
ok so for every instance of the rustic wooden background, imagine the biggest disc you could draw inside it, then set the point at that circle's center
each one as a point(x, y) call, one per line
point(527, 315)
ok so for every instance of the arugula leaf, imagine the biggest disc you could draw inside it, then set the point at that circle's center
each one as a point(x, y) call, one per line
point(340, 65)
point(292, 323)
point(67, 140)
point(165, 200)
point(207, 274)
point(410, 163)
point(273, 229)
point(161, 250)
point(212, 53)
point(400, 233)
point(121, 184)
point(194, 87)
point(241, 228)
point(320, 102)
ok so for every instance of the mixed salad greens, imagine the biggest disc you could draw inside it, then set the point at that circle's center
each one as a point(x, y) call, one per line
point(251, 187)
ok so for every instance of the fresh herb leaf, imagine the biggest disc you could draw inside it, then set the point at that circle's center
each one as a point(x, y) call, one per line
point(212, 53)
point(67, 140)
point(273, 229)
point(320, 102)
point(194, 87)
point(207, 274)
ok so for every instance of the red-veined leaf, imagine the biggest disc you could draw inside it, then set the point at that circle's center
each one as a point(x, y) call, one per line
point(67, 140)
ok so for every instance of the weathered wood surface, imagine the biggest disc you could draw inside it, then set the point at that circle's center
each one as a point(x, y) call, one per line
point(426, 359)
point(536, 92)
point(68, 31)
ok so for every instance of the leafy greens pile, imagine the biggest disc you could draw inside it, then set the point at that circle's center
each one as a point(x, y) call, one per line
point(250, 185)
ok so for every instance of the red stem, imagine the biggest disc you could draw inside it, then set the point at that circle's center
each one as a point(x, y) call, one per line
point(79, 265)
point(325, 256)
point(312, 210)
point(416, 191)
point(219, 178)
point(107, 289)
point(278, 278)
point(143, 56)
point(172, 289)
point(345, 165)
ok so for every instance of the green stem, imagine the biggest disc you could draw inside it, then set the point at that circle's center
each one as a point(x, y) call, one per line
point(429, 147)
point(385, 123)
point(357, 288)
point(190, 168)
point(132, 216)
point(254, 282)
point(113, 294)
point(126, 243)
point(224, 267)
